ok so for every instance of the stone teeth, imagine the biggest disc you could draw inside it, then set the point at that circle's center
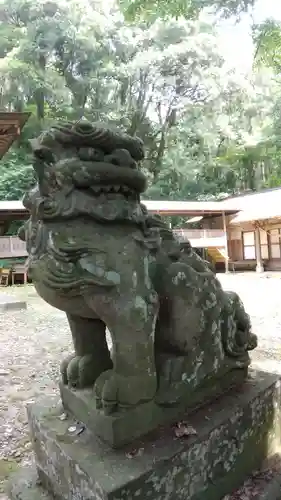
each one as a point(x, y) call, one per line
point(109, 188)
point(96, 189)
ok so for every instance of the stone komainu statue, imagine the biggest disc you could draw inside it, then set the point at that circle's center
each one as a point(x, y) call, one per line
point(95, 253)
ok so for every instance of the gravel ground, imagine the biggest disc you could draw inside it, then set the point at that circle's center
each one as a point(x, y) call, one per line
point(33, 342)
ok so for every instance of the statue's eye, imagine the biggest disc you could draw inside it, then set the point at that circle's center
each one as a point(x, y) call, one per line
point(116, 161)
point(44, 155)
point(39, 154)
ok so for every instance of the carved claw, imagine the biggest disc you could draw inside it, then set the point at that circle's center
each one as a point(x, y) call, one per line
point(81, 371)
point(114, 391)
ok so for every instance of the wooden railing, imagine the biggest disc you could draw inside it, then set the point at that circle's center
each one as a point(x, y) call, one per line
point(12, 246)
point(198, 233)
point(201, 238)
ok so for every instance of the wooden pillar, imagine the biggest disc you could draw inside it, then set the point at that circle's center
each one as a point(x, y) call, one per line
point(259, 266)
point(226, 257)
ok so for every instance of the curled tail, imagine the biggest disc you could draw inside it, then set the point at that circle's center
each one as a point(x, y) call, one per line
point(237, 337)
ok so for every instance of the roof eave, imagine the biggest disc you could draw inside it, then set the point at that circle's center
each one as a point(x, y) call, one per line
point(192, 213)
point(11, 125)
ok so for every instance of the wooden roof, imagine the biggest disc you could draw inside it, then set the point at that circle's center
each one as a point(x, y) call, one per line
point(11, 125)
point(15, 209)
point(12, 210)
point(190, 208)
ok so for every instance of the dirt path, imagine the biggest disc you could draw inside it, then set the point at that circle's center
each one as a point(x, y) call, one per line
point(33, 343)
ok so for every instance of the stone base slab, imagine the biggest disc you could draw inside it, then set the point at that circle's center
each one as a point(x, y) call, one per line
point(234, 435)
point(121, 428)
point(26, 486)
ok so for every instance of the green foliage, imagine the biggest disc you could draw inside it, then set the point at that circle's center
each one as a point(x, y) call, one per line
point(267, 39)
point(16, 175)
point(207, 130)
point(189, 9)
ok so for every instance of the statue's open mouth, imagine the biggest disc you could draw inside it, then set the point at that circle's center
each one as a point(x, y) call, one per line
point(113, 189)
point(99, 177)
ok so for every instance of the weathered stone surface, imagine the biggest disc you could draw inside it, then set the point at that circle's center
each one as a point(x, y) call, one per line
point(234, 435)
point(26, 486)
point(272, 491)
point(9, 303)
point(121, 428)
point(95, 253)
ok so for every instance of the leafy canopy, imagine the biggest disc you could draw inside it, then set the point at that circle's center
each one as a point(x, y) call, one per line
point(188, 9)
point(207, 130)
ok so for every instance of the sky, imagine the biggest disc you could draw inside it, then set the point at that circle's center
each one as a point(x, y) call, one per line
point(235, 39)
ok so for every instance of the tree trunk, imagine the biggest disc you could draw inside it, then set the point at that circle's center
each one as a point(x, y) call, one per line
point(39, 94)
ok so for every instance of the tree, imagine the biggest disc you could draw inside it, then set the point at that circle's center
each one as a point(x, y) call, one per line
point(17, 175)
point(206, 131)
point(267, 39)
point(189, 9)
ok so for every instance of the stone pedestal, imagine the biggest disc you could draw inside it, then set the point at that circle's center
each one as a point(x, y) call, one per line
point(234, 435)
point(119, 429)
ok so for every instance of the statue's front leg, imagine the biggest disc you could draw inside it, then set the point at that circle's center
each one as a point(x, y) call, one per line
point(91, 356)
point(133, 378)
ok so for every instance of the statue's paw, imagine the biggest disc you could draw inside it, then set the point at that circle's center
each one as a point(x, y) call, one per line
point(253, 342)
point(116, 392)
point(81, 371)
point(173, 369)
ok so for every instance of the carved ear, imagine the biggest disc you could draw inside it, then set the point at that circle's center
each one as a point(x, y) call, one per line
point(45, 159)
point(34, 144)
point(30, 197)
